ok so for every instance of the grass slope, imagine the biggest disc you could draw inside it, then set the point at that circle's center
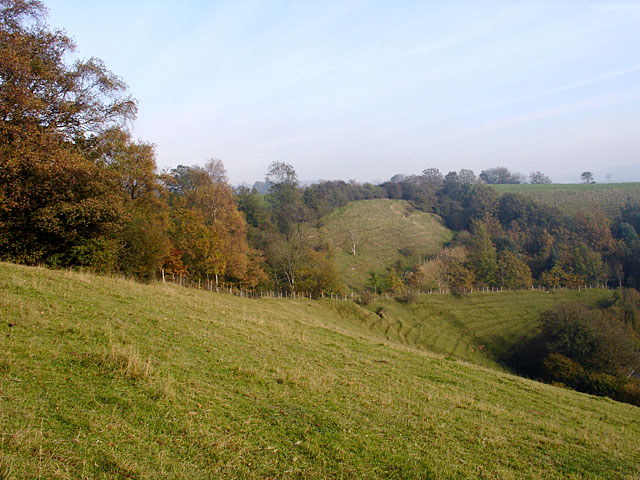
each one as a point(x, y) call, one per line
point(381, 229)
point(106, 378)
point(572, 197)
point(479, 327)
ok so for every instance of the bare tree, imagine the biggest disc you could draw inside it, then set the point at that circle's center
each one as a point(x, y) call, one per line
point(353, 235)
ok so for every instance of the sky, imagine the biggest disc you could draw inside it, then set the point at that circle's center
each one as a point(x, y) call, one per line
point(368, 89)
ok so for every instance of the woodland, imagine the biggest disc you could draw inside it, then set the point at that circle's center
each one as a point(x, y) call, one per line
point(78, 191)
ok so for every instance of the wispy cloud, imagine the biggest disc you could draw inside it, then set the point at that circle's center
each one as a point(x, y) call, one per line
point(599, 102)
point(591, 81)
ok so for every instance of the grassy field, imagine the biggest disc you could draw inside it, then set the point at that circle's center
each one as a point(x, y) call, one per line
point(571, 197)
point(384, 231)
point(106, 378)
point(478, 327)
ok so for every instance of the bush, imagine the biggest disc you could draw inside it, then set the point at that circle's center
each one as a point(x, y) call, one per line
point(629, 392)
point(364, 299)
point(582, 348)
point(559, 368)
point(407, 297)
point(603, 385)
point(595, 340)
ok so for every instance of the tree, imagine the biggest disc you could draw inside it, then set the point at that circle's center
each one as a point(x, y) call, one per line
point(512, 272)
point(39, 90)
point(56, 204)
point(587, 177)
point(499, 175)
point(459, 278)
point(317, 274)
point(285, 197)
point(252, 204)
point(432, 175)
point(207, 227)
point(467, 177)
point(482, 255)
point(594, 340)
point(538, 178)
point(143, 243)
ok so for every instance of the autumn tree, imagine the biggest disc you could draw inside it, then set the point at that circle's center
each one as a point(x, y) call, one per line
point(56, 205)
point(143, 242)
point(459, 277)
point(207, 227)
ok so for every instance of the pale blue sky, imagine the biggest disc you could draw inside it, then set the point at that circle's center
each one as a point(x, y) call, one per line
point(357, 89)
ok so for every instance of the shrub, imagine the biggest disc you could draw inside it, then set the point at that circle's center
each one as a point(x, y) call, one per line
point(629, 392)
point(364, 299)
point(407, 297)
point(559, 368)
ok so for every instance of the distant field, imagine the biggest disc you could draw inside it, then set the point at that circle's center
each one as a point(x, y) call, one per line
point(107, 378)
point(571, 197)
point(381, 229)
point(479, 327)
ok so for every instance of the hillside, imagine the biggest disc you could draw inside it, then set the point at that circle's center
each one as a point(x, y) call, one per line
point(106, 378)
point(384, 232)
point(479, 327)
point(570, 198)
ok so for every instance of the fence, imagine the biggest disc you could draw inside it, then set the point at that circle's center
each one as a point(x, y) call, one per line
point(211, 286)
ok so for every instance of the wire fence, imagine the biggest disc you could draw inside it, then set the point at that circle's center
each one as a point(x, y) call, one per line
point(254, 293)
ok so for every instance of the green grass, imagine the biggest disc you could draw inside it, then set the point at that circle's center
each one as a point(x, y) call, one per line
point(478, 327)
point(107, 378)
point(572, 197)
point(382, 230)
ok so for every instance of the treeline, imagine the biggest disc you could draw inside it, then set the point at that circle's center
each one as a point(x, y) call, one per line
point(513, 242)
point(76, 190)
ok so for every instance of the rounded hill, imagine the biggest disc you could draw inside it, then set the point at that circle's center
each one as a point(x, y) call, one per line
point(372, 235)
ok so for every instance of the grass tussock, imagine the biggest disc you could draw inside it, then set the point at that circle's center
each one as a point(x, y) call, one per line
point(127, 361)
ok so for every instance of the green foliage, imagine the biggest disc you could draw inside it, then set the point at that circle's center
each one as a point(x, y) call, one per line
point(145, 243)
point(285, 198)
point(626, 307)
point(561, 369)
point(512, 272)
point(254, 207)
point(97, 254)
point(500, 175)
point(482, 255)
point(584, 348)
point(323, 197)
point(317, 275)
point(576, 266)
